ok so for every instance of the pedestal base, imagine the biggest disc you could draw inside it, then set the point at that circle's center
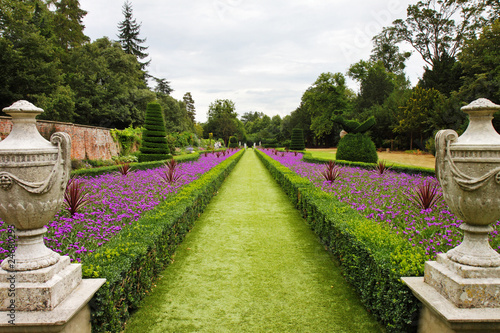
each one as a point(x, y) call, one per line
point(72, 315)
point(440, 315)
point(42, 289)
point(465, 286)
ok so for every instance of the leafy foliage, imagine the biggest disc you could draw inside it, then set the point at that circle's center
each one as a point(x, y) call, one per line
point(424, 195)
point(169, 174)
point(331, 172)
point(381, 167)
point(75, 196)
point(124, 169)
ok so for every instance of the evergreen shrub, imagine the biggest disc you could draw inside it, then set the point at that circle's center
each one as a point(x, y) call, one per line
point(154, 142)
point(233, 142)
point(357, 148)
point(297, 141)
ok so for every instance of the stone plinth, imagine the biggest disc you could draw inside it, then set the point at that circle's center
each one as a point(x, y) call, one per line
point(440, 315)
point(465, 286)
point(42, 289)
point(72, 315)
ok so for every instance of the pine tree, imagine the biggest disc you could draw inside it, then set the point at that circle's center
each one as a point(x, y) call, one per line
point(68, 26)
point(129, 35)
point(154, 142)
point(191, 111)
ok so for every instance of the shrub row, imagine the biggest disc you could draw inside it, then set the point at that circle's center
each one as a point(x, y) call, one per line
point(373, 258)
point(135, 166)
point(406, 169)
point(132, 260)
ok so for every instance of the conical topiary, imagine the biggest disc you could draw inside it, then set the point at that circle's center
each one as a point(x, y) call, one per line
point(154, 142)
point(297, 142)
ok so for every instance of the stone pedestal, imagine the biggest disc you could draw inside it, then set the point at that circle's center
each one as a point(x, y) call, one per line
point(50, 299)
point(456, 297)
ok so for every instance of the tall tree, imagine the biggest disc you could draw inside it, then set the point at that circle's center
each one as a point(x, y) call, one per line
point(191, 110)
point(162, 86)
point(222, 121)
point(68, 26)
point(385, 49)
point(430, 27)
point(326, 98)
point(129, 35)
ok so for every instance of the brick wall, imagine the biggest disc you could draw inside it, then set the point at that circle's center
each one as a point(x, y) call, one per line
point(87, 142)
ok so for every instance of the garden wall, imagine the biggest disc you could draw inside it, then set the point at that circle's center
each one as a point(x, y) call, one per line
point(87, 142)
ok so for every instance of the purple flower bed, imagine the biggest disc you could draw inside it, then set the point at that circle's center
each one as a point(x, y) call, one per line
point(115, 201)
point(384, 199)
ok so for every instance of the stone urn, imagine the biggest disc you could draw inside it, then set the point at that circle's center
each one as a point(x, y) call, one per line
point(468, 168)
point(33, 176)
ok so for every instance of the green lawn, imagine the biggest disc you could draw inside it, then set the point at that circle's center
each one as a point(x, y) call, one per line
point(251, 264)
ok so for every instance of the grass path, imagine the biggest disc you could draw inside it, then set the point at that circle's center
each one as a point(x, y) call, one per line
point(251, 264)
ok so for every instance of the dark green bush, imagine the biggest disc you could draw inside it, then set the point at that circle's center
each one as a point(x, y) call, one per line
point(233, 142)
point(357, 148)
point(133, 259)
point(297, 141)
point(372, 257)
point(154, 142)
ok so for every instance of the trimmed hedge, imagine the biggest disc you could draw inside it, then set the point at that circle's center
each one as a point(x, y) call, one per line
point(372, 257)
point(135, 166)
point(297, 140)
point(307, 157)
point(132, 260)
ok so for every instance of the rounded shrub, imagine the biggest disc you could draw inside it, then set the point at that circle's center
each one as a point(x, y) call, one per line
point(233, 143)
point(357, 148)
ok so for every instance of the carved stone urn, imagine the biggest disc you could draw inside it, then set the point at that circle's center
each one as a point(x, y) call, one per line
point(33, 176)
point(468, 168)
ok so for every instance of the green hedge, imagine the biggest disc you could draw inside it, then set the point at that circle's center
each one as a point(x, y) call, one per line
point(135, 166)
point(132, 260)
point(372, 257)
point(409, 169)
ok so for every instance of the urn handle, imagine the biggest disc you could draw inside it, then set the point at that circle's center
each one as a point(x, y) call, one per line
point(63, 143)
point(444, 139)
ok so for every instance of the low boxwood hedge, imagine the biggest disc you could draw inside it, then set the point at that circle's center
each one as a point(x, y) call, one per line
point(132, 260)
point(406, 169)
point(373, 258)
point(135, 166)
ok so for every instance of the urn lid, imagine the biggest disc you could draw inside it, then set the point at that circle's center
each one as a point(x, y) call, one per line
point(480, 131)
point(24, 135)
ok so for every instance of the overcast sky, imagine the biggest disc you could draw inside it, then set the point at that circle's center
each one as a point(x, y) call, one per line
point(261, 54)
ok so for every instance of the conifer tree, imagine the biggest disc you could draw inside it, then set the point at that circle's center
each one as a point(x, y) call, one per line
point(68, 26)
point(191, 111)
point(297, 142)
point(154, 142)
point(129, 35)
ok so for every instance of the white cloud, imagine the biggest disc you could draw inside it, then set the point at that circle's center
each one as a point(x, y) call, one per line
point(261, 54)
